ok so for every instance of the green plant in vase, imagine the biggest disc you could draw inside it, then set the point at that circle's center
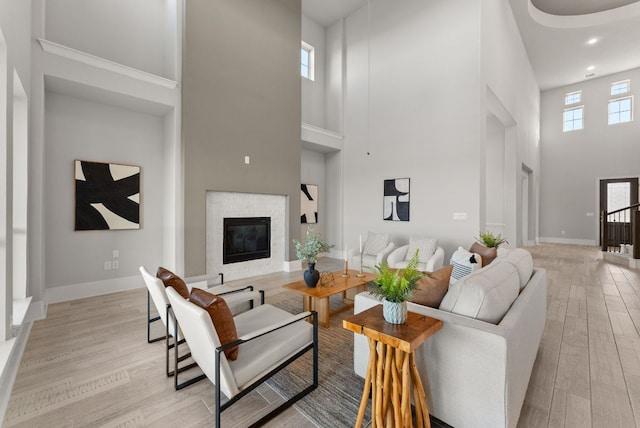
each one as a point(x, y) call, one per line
point(314, 244)
point(489, 240)
point(394, 287)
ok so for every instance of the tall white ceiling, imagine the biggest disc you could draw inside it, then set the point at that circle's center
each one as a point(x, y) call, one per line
point(555, 34)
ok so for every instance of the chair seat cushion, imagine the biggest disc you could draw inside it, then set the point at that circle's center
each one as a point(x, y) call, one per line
point(272, 348)
point(431, 289)
point(221, 318)
point(170, 279)
point(404, 263)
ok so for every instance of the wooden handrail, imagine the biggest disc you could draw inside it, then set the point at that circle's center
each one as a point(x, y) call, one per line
point(623, 209)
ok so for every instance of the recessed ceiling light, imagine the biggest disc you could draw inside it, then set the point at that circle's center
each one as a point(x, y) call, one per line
point(591, 67)
point(592, 41)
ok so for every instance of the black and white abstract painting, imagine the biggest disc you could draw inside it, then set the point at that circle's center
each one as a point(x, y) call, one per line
point(107, 196)
point(396, 199)
point(308, 203)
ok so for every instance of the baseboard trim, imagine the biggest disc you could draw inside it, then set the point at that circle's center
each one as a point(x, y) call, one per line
point(37, 311)
point(553, 240)
point(91, 289)
point(12, 364)
point(292, 266)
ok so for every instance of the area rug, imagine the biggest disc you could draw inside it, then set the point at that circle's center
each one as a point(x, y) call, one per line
point(336, 401)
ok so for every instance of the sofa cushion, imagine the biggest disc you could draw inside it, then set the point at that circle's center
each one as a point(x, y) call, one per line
point(220, 317)
point(170, 279)
point(430, 289)
point(375, 243)
point(488, 254)
point(523, 262)
point(464, 263)
point(486, 295)
point(425, 246)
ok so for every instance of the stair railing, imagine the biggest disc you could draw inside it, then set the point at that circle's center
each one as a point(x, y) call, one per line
point(620, 227)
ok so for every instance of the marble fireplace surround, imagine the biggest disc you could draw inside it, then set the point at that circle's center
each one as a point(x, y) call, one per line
point(232, 204)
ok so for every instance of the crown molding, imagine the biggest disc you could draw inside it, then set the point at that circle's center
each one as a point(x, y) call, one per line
point(104, 64)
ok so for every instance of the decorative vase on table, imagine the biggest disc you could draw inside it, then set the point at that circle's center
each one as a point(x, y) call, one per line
point(311, 275)
point(394, 312)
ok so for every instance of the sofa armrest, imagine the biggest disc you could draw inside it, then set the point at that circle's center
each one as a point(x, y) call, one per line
point(381, 257)
point(397, 255)
point(436, 261)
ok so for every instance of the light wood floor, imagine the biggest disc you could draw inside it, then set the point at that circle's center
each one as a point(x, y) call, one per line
point(88, 364)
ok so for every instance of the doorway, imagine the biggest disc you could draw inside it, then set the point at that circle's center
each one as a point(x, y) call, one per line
point(617, 193)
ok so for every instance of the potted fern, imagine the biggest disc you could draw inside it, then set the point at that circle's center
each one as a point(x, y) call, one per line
point(489, 240)
point(394, 287)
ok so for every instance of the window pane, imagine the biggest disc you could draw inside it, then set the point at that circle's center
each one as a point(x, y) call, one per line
point(618, 196)
point(572, 119)
point(619, 88)
point(304, 71)
point(572, 97)
point(304, 57)
point(620, 110)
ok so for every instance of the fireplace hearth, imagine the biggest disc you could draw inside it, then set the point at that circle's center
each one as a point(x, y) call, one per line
point(246, 238)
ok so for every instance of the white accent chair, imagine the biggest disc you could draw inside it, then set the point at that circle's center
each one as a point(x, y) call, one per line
point(156, 292)
point(269, 339)
point(398, 259)
point(375, 251)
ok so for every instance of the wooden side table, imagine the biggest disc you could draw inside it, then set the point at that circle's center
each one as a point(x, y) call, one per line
point(392, 369)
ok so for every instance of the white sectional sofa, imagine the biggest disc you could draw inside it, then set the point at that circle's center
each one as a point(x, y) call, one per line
point(476, 369)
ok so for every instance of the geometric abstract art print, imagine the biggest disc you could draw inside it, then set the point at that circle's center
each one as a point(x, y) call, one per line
point(107, 196)
point(308, 203)
point(396, 199)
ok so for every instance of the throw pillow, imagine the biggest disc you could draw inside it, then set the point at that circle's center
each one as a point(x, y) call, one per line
point(488, 254)
point(220, 317)
point(425, 246)
point(375, 243)
point(464, 263)
point(430, 289)
point(170, 279)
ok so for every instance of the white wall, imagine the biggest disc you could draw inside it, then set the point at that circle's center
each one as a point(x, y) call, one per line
point(124, 96)
point(507, 75)
point(85, 130)
point(334, 81)
point(574, 162)
point(119, 30)
point(425, 118)
point(15, 60)
point(313, 91)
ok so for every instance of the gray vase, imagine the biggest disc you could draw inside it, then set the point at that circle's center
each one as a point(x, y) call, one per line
point(393, 312)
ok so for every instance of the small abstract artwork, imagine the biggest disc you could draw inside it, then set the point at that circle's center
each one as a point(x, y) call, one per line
point(107, 196)
point(396, 199)
point(308, 203)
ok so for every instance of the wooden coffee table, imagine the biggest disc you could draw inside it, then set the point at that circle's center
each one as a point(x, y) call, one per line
point(317, 298)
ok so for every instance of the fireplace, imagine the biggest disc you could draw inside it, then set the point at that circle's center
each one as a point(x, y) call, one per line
point(246, 238)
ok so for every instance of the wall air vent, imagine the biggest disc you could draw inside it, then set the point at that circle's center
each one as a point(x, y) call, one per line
point(590, 75)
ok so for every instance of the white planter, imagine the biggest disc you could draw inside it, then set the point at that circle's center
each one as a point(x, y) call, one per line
point(394, 313)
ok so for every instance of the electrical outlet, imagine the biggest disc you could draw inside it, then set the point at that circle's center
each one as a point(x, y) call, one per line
point(116, 254)
point(107, 265)
point(459, 216)
point(115, 264)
